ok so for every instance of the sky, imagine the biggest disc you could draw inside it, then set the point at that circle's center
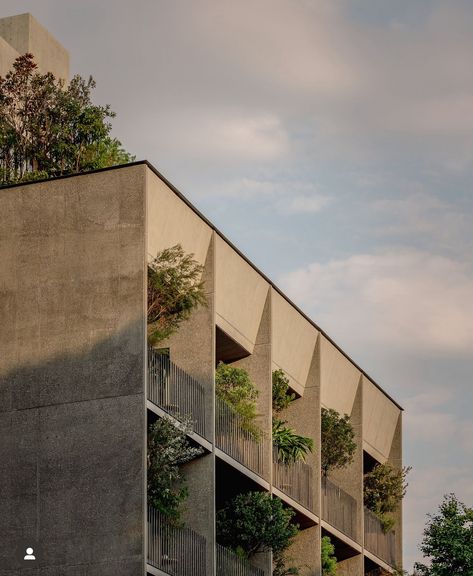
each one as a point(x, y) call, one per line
point(332, 142)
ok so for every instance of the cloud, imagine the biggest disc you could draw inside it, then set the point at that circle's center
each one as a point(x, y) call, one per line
point(411, 300)
point(287, 197)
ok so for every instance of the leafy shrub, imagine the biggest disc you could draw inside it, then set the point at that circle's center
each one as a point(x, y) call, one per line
point(256, 522)
point(233, 385)
point(168, 449)
point(338, 445)
point(329, 561)
point(48, 128)
point(175, 289)
point(384, 488)
point(291, 447)
point(281, 395)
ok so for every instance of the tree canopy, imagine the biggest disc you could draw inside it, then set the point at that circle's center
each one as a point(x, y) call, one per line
point(175, 290)
point(338, 440)
point(448, 540)
point(48, 128)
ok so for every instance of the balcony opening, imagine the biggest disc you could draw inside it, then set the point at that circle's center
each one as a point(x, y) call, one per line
point(343, 551)
point(369, 462)
point(226, 349)
point(372, 569)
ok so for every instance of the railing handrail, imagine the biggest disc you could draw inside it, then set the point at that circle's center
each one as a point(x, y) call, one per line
point(381, 544)
point(229, 564)
point(232, 438)
point(293, 479)
point(176, 392)
point(339, 508)
point(178, 551)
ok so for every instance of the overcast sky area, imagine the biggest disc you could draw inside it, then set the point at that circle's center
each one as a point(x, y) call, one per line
point(332, 142)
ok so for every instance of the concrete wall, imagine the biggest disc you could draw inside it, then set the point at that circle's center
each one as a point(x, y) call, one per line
point(71, 374)
point(294, 341)
point(25, 34)
point(380, 418)
point(240, 295)
point(7, 56)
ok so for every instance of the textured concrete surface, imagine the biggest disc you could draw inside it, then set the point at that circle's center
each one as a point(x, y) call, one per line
point(294, 341)
point(240, 295)
point(71, 374)
point(25, 34)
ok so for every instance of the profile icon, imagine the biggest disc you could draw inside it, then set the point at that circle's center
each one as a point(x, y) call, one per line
point(29, 554)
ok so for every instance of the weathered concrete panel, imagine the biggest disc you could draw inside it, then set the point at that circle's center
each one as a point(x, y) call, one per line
point(7, 56)
point(240, 295)
point(380, 418)
point(72, 407)
point(170, 221)
point(339, 379)
point(25, 34)
point(294, 341)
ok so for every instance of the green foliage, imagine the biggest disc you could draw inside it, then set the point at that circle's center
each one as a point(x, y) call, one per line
point(281, 395)
point(291, 447)
point(338, 445)
point(256, 522)
point(234, 386)
point(281, 566)
point(329, 561)
point(168, 449)
point(50, 129)
point(448, 540)
point(384, 488)
point(175, 289)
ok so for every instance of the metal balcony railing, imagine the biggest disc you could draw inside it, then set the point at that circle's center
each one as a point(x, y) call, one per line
point(173, 390)
point(339, 508)
point(229, 564)
point(175, 551)
point(295, 480)
point(377, 542)
point(232, 438)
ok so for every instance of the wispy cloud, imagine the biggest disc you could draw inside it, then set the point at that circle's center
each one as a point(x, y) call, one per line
point(407, 299)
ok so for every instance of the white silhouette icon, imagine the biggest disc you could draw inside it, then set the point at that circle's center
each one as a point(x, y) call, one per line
point(29, 554)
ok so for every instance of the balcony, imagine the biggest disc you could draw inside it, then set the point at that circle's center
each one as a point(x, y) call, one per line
point(295, 480)
point(232, 438)
point(175, 391)
point(229, 564)
point(175, 551)
point(377, 542)
point(339, 509)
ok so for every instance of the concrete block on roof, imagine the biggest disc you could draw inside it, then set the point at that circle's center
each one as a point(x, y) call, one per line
point(23, 33)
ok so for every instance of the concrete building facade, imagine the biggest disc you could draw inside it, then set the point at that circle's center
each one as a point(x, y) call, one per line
point(79, 386)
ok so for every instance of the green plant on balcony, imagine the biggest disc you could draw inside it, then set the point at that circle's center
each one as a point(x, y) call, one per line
point(282, 397)
point(290, 446)
point(338, 441)
point(175, 290)
point(234, 387)
point(255, 522)
point(328, 558)
point(168, 449)
point(383, 489)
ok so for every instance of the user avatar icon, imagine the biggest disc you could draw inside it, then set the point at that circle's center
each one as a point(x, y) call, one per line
point(29, 554)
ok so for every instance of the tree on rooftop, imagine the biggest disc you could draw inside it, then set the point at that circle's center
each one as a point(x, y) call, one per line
point(48, 128)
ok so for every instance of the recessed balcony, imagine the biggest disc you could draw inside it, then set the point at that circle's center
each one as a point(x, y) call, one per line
point(239, 443)
point(173, 550)
point(339, 509)
point(176, 392)
point(379, 543)
point(229, 564)
point(294, 480)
